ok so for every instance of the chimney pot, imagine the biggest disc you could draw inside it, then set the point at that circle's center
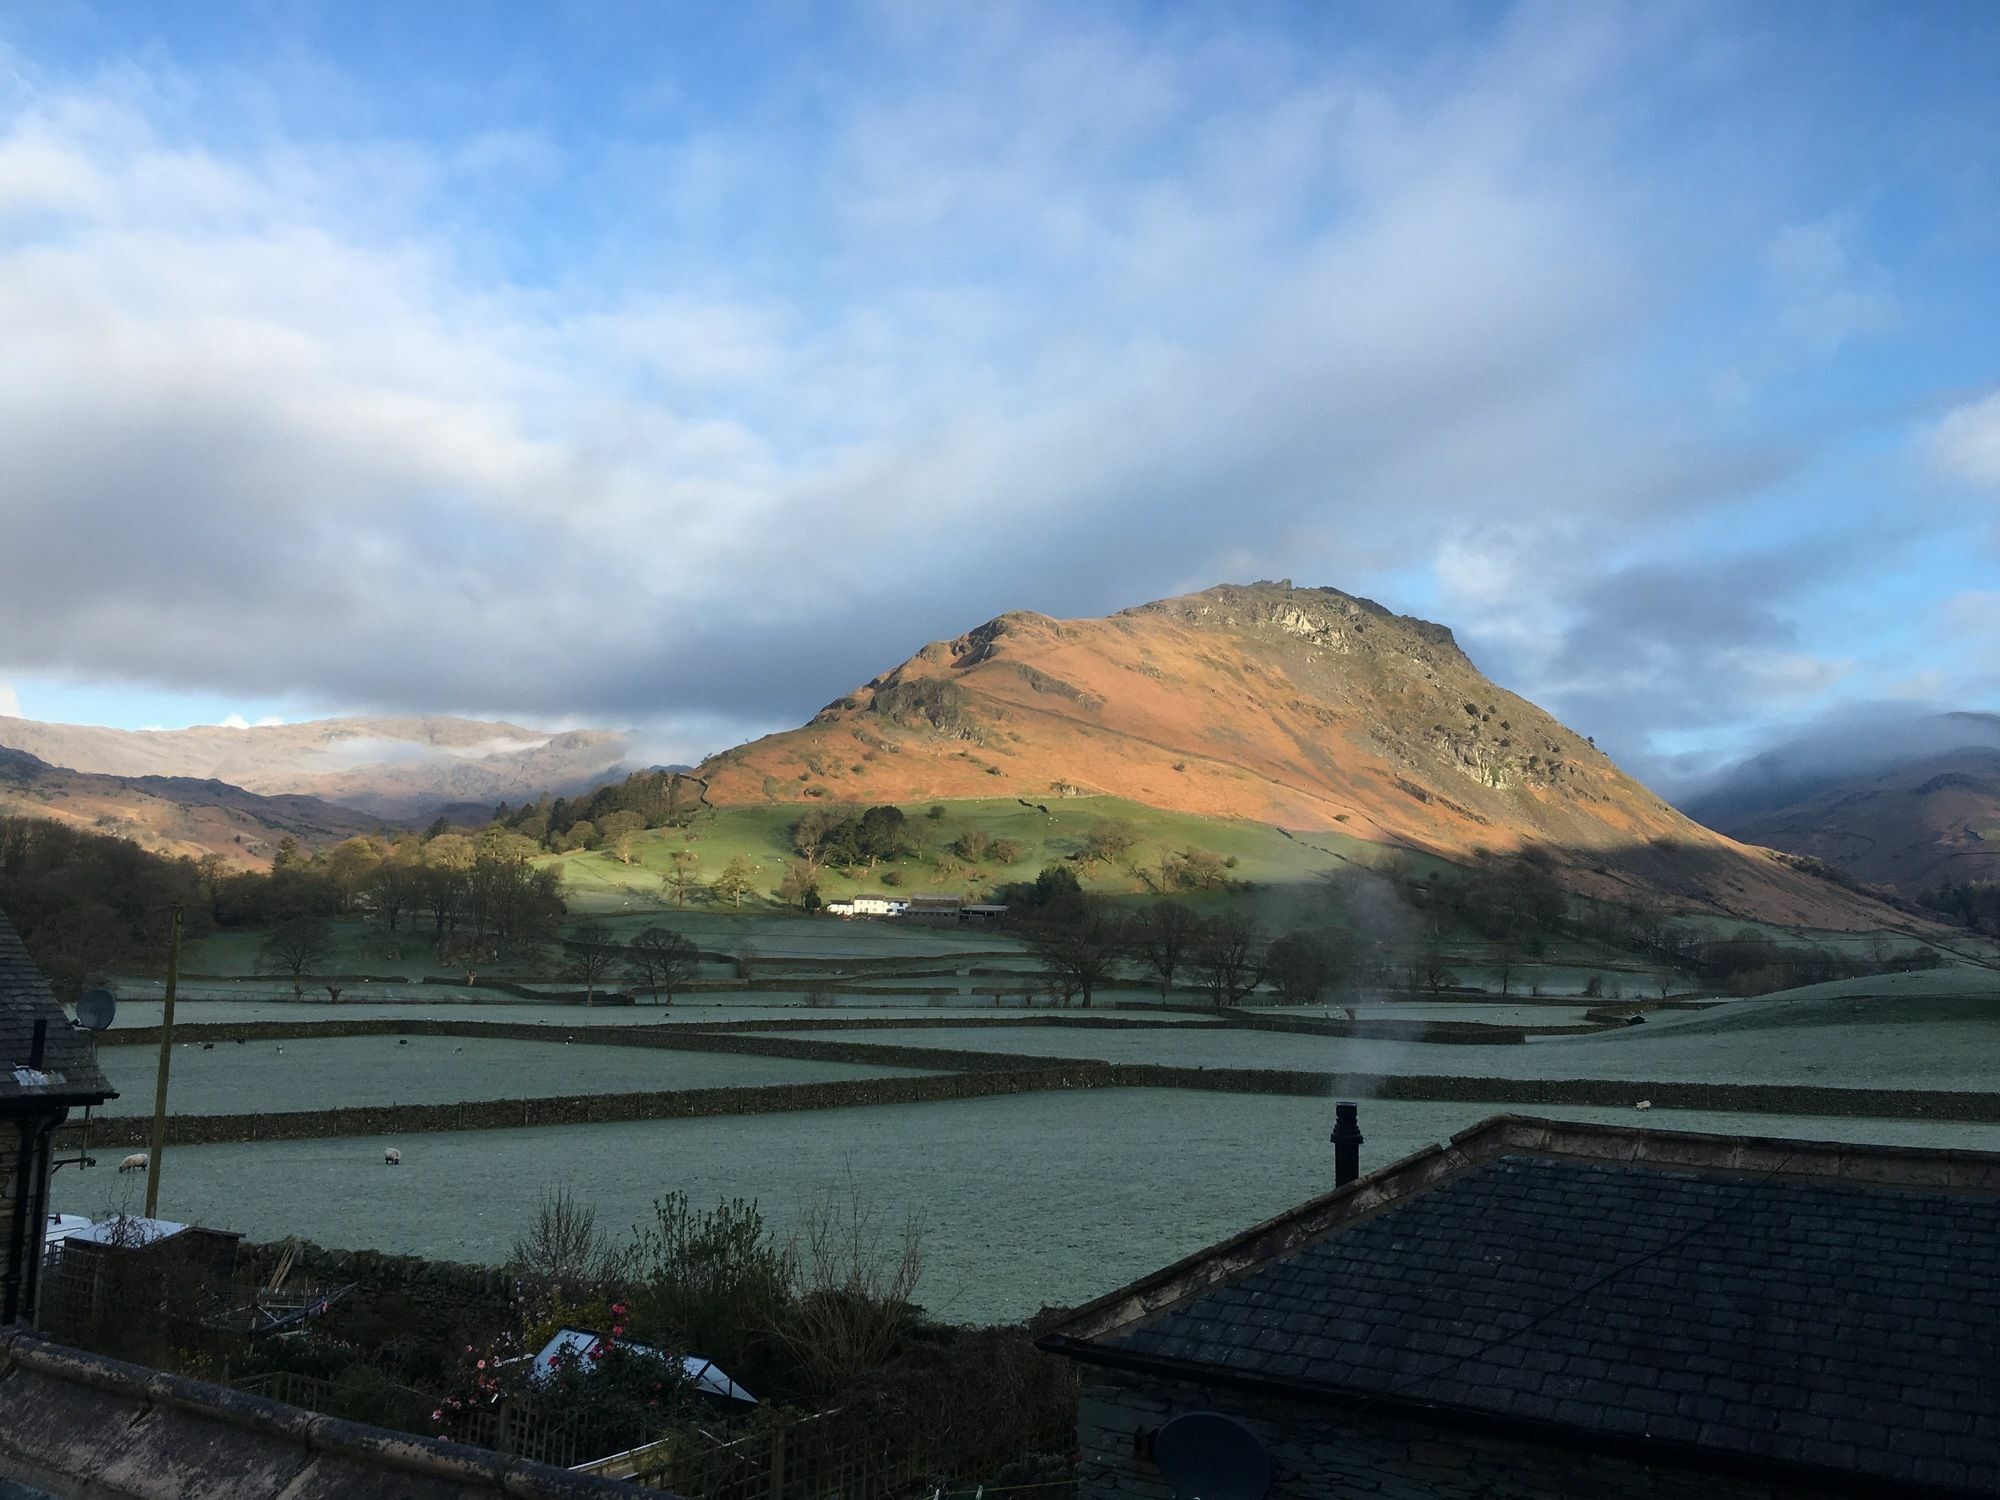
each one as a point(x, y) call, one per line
point(1346, 1143)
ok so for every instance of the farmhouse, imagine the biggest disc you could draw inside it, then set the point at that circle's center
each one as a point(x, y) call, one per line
point(46, 1070)
point(868, 906)
point(1549, 1309)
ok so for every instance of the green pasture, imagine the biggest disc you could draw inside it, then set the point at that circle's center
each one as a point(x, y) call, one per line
point(598, 883)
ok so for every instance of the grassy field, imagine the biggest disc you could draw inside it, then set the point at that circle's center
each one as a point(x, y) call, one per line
point(1264, 856)
point(1273, 876)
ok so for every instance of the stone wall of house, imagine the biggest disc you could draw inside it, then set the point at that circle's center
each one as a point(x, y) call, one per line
point(1320, 1451)
point(10, 1165)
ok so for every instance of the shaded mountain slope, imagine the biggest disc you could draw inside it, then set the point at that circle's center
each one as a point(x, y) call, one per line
point(174, 815)
point(1926, 817)
point(1304, 708)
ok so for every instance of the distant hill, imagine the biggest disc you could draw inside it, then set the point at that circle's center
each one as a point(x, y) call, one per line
point(394, 767)
point(1904, 805)
point(174, 815)
point(1308, 709)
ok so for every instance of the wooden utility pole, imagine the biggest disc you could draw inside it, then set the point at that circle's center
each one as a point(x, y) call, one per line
point(166, 1056)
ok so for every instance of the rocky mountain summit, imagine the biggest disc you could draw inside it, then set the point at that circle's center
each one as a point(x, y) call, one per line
point(1306, 708)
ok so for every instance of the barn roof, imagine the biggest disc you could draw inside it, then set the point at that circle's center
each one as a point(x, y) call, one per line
point(1828, 1307)
point(68, 1074)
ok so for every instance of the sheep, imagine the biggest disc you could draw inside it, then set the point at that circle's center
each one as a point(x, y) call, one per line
point(392, 1156)
point(1644, 1104)
point(136, 1162)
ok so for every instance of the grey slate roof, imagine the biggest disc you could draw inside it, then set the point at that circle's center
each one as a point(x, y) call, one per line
point(68, 1073)
point(80, 1424)
point(1848, 1324)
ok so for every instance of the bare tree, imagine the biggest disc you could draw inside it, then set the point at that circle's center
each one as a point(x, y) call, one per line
point(1161, 938)
point(1078, 947)
point(681, 881)
point(592, 952)
point(296, 948)
point(1227, 959)
point(661, 961)
point(1108, 840)
point(1300, 966)
point(854, 1277)
point(800, 887)
point(560, 1244)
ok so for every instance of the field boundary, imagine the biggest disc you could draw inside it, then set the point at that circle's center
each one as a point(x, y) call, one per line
point(1067, 1074)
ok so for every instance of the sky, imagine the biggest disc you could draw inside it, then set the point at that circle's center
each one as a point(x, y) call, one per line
point(680, 367)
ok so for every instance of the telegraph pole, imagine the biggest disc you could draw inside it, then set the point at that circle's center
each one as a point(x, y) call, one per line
point(166, 1056)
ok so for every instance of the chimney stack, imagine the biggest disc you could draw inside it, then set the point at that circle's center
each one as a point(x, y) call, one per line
point(38, 1049)
point(1346, 1143)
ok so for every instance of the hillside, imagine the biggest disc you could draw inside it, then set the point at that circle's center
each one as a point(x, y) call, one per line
point(1907, 814)
point(174, 815)
point(1307, 709)
point(385, 767)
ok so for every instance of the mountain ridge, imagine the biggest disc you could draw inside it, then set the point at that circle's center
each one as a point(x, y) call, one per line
point(1907, 812)
point(1310, 709)
point(389, 766)
point(174, 815)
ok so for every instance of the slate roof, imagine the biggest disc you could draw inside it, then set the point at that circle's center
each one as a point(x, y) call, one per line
point(1828, 1318)
point(68, 1073)
point(78, 1423)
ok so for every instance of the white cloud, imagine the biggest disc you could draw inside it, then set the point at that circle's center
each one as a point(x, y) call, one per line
point(233, 721)
point(1965, 443)
point(1827, 297)
point(10, 702)
point(1045, 316)
point(269, 721)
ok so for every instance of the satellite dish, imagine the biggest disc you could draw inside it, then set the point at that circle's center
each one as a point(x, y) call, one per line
point(95, 1008)
point(1207, 1456)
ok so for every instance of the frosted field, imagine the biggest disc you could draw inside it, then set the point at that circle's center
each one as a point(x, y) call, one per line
point(779, 1009)
point(257, 1077)
point(1935, 1043)
point(1049, 1198)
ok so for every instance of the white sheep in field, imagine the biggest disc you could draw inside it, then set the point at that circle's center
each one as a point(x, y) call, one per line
point(1644, 1104)
point(136, 1162)
point(392, 1156)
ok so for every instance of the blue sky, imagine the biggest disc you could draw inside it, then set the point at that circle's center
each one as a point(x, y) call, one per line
point(680, 367)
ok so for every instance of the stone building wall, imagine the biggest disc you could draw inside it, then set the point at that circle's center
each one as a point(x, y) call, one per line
point(10, 1164)
point(1321, 1451)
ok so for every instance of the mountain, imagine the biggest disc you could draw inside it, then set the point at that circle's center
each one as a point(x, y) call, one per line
point(1306, 708)
point(174, 815)
point(387, 767)
point(1905, 805)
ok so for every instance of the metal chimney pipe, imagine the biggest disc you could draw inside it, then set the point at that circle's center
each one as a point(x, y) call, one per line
point(1346, 1143)
point(38, 1048)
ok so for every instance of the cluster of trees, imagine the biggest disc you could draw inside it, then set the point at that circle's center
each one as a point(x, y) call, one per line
point(851, 840)
point(1082, 944)
point(607, 816)
point(1749, 962)
point(87, 902)
point(1974, 903)
point(83, 901)
point(657, 960)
